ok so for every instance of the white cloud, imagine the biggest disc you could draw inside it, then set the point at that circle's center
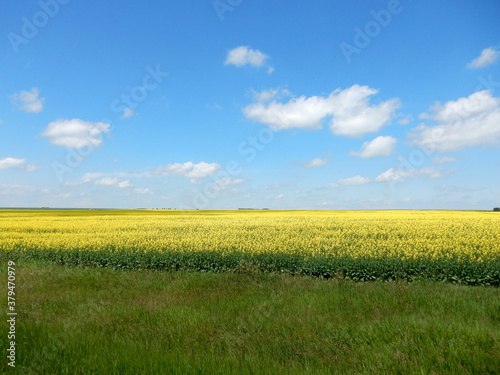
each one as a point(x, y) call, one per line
point(110, 181)
point(488, 56)
point(394, 174)
point(353, 115)
point(15, 163)
point(378, 147)
point(243, 55)
point(302, 113)
point(29, 101)
point(124, 184)
point(466, 122)
point(106, 181)
point(127, 113)
point(8, 163)
point(444, 159)
point(188, 169)
point(75, 133)
point(318, 162)
point(265, 95)
point(356, 180)
point(86, 179)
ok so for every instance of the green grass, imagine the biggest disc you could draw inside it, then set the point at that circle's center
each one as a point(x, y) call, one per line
point(102, 321)
point(356, 269)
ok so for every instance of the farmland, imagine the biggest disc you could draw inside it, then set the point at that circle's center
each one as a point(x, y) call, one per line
point(461, 247)
point(253, 292)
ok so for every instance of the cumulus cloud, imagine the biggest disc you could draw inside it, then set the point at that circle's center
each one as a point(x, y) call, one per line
point(29, 101)
point(302, 113)
point(75, 133)
point(9, 163)
point(106, 181)
point(243, 55)
point(265, 95)
point(124, 184)
point(378, 147)
point(188, 169)
point(268, 95)
point(351, 111)
point(318, 162)
point(122, 179)
point(466, 122)
point(397, 174)
point(488, 56)
point(356, 180)
point(354, 116)
point(86, 179)
point(15, 163)
point(113, 181)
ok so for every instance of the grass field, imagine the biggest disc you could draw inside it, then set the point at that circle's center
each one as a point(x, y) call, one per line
point(102, 321)
point(225, 292)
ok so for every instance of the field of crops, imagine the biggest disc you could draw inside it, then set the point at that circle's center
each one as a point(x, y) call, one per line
point(456, 246)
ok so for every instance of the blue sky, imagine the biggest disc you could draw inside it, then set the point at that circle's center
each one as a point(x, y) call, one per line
point(237, 103)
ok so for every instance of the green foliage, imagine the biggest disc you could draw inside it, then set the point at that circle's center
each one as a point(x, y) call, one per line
point(361, 269)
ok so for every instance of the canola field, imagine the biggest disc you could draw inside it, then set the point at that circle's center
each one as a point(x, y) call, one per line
point(455, 246)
